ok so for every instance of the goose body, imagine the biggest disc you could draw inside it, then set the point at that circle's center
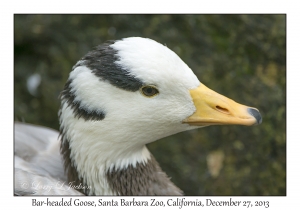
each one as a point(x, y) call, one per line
point(119, 97)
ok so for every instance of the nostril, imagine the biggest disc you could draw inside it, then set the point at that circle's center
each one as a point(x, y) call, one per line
point(223, 110)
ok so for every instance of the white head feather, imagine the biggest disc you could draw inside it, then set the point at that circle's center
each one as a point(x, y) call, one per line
point(131, 119)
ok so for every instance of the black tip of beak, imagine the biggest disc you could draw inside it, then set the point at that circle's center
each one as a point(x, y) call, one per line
point(255, 113)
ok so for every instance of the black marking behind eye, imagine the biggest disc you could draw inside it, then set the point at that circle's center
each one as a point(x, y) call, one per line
point(102, 62)
point(78, 110)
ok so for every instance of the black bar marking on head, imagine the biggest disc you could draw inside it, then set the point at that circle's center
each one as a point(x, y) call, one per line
point(102, 62)
point(79, 110)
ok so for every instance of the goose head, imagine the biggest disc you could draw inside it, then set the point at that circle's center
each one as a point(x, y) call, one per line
point(123, 95)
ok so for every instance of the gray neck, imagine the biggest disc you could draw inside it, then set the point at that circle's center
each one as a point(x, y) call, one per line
point(144, 179)
point(141, 179)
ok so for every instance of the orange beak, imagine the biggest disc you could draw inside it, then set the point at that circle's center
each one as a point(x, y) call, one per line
point(215, 109)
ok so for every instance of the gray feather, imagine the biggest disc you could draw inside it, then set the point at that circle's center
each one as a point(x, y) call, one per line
point(38, 162)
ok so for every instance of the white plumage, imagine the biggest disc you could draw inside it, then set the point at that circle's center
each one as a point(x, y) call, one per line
point(106, 120)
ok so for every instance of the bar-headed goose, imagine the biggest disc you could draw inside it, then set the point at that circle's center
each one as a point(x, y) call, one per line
point(119, 97)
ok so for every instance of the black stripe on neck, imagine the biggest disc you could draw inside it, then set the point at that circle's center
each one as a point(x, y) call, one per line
point(70, 166)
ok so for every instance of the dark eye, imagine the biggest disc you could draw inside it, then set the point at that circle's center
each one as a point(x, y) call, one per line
point(149, 91)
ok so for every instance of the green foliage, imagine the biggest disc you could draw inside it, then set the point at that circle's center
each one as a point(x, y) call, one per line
point(240, 56)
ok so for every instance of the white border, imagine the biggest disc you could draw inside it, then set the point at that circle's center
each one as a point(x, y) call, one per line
point(187, 6)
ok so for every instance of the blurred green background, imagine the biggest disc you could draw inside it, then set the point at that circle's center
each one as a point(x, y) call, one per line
point(240, 56)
